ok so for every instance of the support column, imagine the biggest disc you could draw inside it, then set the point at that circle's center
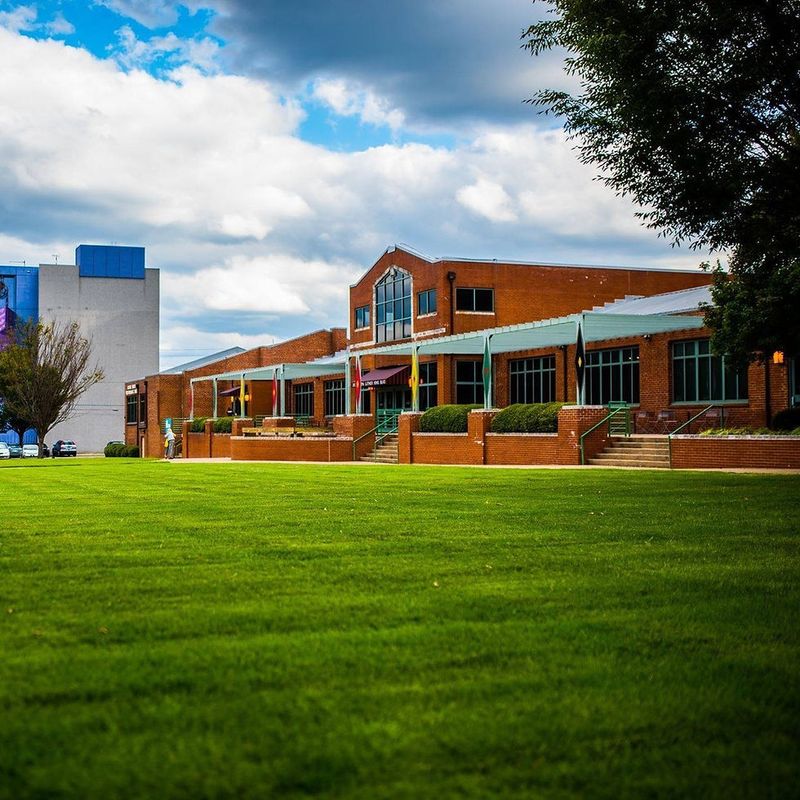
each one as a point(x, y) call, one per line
point(191, 399)
point(282, 391)
point(241, 397)
point(214, 400)
point(415, 378)
point(487, 372)
point(347, 387)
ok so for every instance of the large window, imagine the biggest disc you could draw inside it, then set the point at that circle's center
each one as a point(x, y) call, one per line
point(393, 307)
point(362, 317)
point(699, 376)
point(334, 398)
point(426, 302)
point(428, 390)
point(131, 407)
point(474, 299)
point(304, 399)
point(533, 380)
point(142, 408)
point(469, 382)
point(612, 376)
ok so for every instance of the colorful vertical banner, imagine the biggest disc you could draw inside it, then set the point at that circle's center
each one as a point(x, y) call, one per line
point(275, 393)
point(580, 364)
point(358, 384)
point(413, 381)
point(487, 374)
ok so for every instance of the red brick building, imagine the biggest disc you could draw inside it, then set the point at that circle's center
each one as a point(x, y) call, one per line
point(645, 345)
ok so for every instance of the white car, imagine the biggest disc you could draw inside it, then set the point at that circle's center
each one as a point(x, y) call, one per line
point(30, 451)
point(4, 451)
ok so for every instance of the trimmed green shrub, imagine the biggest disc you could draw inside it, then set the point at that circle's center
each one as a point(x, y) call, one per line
point(223, 425)
point(527, 418)
point(198, 425)
point(120, 450)
point(747, 431)
point(446, 419)
point(786, 420)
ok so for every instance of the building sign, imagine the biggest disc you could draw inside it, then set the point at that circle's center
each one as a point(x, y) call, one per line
point(131, 388)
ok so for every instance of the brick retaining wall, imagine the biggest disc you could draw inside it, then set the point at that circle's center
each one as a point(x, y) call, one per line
point(756, 452)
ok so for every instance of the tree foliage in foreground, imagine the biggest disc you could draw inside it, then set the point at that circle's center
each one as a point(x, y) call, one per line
point(692, 108)
point(44, 373)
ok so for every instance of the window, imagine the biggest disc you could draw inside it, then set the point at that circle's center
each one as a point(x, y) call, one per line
point(143, 408)
point(469, 382)
point(612, 376)
point(533, 380)
point(393, 306)
point(334, 398)
point(362, 317)
point(304, 400)
point(699, 376)
point(474, 299)
point(131, 407)
point(428, 394)
point(426, 302)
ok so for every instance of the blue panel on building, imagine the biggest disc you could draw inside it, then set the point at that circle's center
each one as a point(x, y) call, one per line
point(109, 261)
point(23, 291)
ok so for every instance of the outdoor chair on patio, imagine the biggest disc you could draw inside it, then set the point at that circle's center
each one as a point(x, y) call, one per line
point(644, 422)
point(666, 421)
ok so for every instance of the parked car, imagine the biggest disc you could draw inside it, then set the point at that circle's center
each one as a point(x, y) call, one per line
point(64, 447)
point(15, 451)
point(4, 451)
point(32, 451)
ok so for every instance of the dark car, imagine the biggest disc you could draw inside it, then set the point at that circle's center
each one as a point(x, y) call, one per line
point(14, 451)
point(64, 447)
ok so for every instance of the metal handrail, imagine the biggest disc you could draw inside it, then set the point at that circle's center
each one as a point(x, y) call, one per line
point(378, 439)
point(605, 419)
point(685, 424)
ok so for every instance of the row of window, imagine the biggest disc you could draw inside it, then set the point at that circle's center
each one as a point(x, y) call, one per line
point(393, 305)
point(611, 376)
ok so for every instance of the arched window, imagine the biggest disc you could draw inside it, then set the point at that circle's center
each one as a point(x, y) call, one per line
point(393, 306)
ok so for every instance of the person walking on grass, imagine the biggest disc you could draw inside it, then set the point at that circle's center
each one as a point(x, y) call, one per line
point(169, 444)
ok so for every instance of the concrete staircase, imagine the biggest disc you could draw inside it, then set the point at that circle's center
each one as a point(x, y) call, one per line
point(646, 452)
point(384, 453)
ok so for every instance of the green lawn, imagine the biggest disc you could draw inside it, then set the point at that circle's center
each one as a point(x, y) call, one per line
point(192, 631)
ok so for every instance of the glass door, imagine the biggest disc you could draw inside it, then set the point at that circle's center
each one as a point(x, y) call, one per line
point(391, 402)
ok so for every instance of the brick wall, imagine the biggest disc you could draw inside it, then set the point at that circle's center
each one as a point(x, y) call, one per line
point(268, 448)
point(751, 452)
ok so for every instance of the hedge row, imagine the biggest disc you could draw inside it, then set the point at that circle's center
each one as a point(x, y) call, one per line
point(446, 419)
point(527, 418)
point(119, 450)
point(221, 425)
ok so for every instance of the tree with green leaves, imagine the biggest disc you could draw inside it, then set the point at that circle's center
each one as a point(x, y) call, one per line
point(44, 372)
point(692, 109)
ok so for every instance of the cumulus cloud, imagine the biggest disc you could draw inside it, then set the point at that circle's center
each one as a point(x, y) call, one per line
point(22, 18)
point(351, 100)
point(488, 199)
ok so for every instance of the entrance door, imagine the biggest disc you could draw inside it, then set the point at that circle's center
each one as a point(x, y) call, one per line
point(794, 382)
point(391, 401)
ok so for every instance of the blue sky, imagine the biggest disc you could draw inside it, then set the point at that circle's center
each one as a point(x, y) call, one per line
point(266, 153)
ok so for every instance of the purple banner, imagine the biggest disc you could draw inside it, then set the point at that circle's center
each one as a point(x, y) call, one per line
point(7, 318)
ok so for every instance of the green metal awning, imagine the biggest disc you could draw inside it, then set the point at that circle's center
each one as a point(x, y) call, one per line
point(596, 327)
point(311, 369)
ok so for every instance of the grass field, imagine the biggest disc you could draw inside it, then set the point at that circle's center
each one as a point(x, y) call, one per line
point(221, 630)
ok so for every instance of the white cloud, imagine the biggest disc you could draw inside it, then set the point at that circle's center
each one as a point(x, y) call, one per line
point(150, 13)
point(59, 26)
point(350, 100)
point(180, 343)
point(488, 199)
point(134, 53)
point(22, 18)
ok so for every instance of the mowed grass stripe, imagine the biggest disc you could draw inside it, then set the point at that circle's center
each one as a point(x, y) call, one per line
point(283, 630)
